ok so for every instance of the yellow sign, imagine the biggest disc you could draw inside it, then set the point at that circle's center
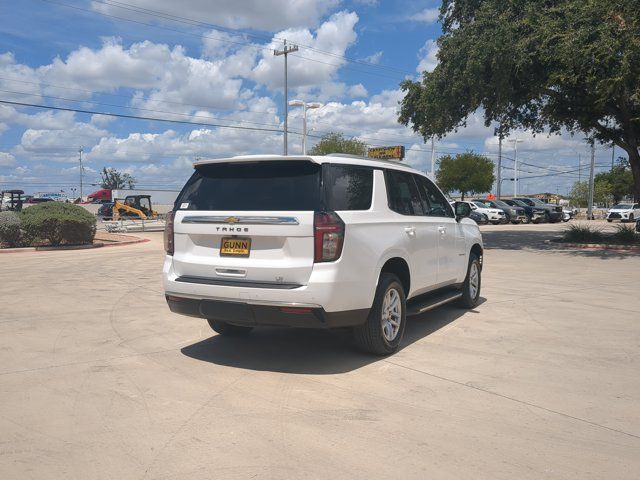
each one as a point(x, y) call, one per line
point(387, 152)
point(232, 246)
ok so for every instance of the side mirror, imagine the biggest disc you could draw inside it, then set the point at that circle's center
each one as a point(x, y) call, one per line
point(463, 209)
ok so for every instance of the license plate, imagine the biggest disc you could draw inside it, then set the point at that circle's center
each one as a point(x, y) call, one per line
point(235, 247)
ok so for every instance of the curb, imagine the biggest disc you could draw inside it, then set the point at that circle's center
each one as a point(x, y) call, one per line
point(74, 247)
point(596, 246)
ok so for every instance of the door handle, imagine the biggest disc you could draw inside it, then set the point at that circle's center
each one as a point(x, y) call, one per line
point(411, 231)
point(442, 230)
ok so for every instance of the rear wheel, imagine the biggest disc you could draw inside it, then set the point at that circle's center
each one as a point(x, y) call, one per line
point(228, 329)
point(472, 283)
point(382, 333)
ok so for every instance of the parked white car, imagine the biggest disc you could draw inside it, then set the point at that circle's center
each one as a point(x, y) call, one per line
point(495, 215)
point(313, 241)
point(625, 212)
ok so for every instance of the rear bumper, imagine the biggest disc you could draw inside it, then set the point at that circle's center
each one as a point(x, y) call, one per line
point(247, 314)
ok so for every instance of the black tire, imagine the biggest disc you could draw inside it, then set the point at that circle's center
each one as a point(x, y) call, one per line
point(609, 220)
point(468, 299)
point(370, 337)
point(526, 220)
point(631, 219)
point(547, 217)
point(495, 222)
point(228, 329)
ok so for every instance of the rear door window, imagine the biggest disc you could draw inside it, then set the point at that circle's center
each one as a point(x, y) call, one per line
point(258, 186)
point(402, 193)
point(348, 187)
point(435, 203)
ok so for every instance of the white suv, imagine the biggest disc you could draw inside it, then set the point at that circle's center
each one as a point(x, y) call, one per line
point(625, 212)
point(317, 241)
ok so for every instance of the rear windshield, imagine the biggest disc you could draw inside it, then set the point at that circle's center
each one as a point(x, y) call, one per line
point(259, 186)
point(277, 186)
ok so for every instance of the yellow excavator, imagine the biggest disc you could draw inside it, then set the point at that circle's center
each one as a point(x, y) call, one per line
point(134, 207)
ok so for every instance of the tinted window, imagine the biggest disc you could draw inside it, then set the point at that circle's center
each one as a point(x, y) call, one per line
point(348, 187)
point(436, 205)
point(402, 193)
point(260, 186)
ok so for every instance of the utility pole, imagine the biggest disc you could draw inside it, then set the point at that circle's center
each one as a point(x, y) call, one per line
point(433, 159)
point(515, 164)
point(499, 184)
point(613, 154)
point(286, 51)
point(591, 186)
point(81, 172)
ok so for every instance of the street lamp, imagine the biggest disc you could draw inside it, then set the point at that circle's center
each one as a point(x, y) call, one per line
point(305, 106)
point(515, 141)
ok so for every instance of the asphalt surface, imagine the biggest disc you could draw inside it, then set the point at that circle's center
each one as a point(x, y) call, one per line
point(99, 380)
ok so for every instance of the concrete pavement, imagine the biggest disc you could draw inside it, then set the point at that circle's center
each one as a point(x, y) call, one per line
point(99, 380)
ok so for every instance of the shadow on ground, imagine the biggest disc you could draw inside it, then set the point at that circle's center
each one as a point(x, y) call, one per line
point(543, 241)
point(306, 351)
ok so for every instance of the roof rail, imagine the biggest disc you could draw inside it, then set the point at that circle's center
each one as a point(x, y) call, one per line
point(348, 155)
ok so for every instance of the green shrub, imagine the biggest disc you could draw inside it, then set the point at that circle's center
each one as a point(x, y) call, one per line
point(625, 234)
point(58, 223)
point(10, 233)
point(580, 233)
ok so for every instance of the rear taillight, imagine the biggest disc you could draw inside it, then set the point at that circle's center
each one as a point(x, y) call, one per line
point(168, 234)
point(328, 232)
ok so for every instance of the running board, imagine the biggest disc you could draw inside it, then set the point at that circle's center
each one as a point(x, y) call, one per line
point(425, 303)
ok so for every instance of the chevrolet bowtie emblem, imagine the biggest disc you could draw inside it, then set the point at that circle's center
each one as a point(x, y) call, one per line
point(232, 220)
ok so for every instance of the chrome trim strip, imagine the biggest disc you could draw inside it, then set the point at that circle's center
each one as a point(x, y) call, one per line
point(237, 282)
point(247, 220)
point(244, 301)
point(437, 304)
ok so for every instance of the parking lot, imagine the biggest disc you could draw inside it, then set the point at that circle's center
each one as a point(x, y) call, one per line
point(99, 380)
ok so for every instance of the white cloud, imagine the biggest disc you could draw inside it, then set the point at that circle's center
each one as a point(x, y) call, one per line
point(308, 67)
point(428, 15)
point(358, 91)
point(54, 120)
point(374, 58)
point(266, 15)
point(7, 160)
point(58, 145)
point(428, 55)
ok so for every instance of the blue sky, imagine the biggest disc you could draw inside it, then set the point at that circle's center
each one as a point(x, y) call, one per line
point(211, 63)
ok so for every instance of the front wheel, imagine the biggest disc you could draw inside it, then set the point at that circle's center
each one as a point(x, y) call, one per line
point(228, 329)
point(382, 333)
point(472, 283)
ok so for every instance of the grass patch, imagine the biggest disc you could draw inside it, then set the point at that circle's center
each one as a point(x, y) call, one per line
point(581, 233)
point(626, 234)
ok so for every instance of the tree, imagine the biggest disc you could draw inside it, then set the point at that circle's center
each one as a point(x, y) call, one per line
point(566, 64)
point(336, 143)
point(112, 179)
point(465, 173)
point(579, 194)
point(620, 180)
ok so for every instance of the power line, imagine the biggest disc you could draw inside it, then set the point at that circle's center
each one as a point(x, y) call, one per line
point(138, 117)
point(137, 108)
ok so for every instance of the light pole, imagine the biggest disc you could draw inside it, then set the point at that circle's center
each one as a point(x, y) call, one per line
point(305, 106)
point(498, 132)
point(81, 171)
point(515, 141)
